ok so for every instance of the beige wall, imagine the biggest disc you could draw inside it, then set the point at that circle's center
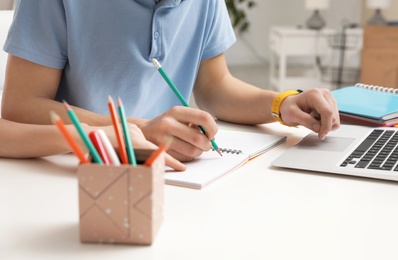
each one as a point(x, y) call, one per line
point(6, 4)
point(389, 14)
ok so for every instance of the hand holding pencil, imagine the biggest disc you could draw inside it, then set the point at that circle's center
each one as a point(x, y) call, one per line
point(182, 99)
point(180, 123)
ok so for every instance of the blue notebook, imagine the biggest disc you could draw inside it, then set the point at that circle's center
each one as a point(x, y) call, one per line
point(368, 104)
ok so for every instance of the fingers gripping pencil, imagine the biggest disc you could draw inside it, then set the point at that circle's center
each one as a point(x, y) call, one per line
point(181, 98)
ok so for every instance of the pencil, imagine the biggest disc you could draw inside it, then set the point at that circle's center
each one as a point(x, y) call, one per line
point(118, 131)
point(83, 134)
point(162, 148)
point(68, 136)
point(100, 147)
point(108, 147)
point(127, 138)
point(181, 98)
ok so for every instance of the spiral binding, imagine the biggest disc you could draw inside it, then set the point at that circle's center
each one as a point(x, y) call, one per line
point(230, 151)
point(378, 88)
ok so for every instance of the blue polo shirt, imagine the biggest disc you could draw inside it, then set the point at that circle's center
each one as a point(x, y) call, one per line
point(105, 47)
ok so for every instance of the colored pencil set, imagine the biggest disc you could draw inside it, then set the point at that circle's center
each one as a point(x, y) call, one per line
point(98, 144)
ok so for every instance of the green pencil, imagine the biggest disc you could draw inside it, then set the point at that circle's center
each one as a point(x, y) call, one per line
point(181, 98)
point(127, 138)
point(83, 134)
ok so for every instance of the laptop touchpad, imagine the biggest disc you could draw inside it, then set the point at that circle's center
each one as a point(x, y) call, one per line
point(333, 144)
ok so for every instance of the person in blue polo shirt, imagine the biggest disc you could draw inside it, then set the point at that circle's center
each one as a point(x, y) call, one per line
point(83, 51)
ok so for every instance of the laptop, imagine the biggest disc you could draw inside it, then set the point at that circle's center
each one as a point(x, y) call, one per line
point(351, 150)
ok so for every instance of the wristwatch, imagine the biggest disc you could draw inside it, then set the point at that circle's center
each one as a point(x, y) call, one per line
point(276, 104)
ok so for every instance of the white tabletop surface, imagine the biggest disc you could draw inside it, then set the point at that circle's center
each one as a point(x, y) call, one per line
point(256, 212)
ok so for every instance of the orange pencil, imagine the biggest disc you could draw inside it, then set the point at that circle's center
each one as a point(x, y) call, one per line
point(118, 131)
point(69, 138)
point(155, 154)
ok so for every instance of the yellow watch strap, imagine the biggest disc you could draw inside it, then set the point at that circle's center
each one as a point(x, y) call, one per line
point(276, 104)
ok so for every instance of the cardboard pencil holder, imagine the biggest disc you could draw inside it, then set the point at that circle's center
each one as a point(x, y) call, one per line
point(121, 204)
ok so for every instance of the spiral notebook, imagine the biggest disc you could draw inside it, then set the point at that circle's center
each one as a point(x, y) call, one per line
point(368, 104)
point(237, 146)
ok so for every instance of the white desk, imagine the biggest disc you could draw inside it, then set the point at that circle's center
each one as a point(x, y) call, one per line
point(256, 212)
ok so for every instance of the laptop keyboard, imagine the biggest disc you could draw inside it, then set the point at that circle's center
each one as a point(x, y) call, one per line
point(378, 151)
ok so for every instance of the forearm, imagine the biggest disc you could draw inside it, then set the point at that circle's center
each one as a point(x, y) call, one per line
point(36, 110)
point(236, 101)
point(41, 114)
point(26, 141)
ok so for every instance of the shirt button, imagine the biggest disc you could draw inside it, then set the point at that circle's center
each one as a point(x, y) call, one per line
point(156, 35)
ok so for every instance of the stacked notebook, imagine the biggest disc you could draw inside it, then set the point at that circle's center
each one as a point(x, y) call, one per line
point(237, 146)
point(368, 104)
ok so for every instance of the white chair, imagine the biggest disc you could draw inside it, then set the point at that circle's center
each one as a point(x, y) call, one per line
point(6, 17)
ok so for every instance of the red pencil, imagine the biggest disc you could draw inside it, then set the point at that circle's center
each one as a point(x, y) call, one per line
point(95, 138)
point(118, 131)
point(69, 138)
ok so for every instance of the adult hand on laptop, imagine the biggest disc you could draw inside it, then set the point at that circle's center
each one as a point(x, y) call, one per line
point(315, 109)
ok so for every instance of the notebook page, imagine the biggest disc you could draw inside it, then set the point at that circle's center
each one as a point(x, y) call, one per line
point(238, 147)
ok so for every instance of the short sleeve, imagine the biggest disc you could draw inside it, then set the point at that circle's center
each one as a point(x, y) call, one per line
point(220, 34)
point(38, 33)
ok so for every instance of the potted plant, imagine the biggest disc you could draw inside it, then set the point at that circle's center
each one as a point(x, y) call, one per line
point(237, 11)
